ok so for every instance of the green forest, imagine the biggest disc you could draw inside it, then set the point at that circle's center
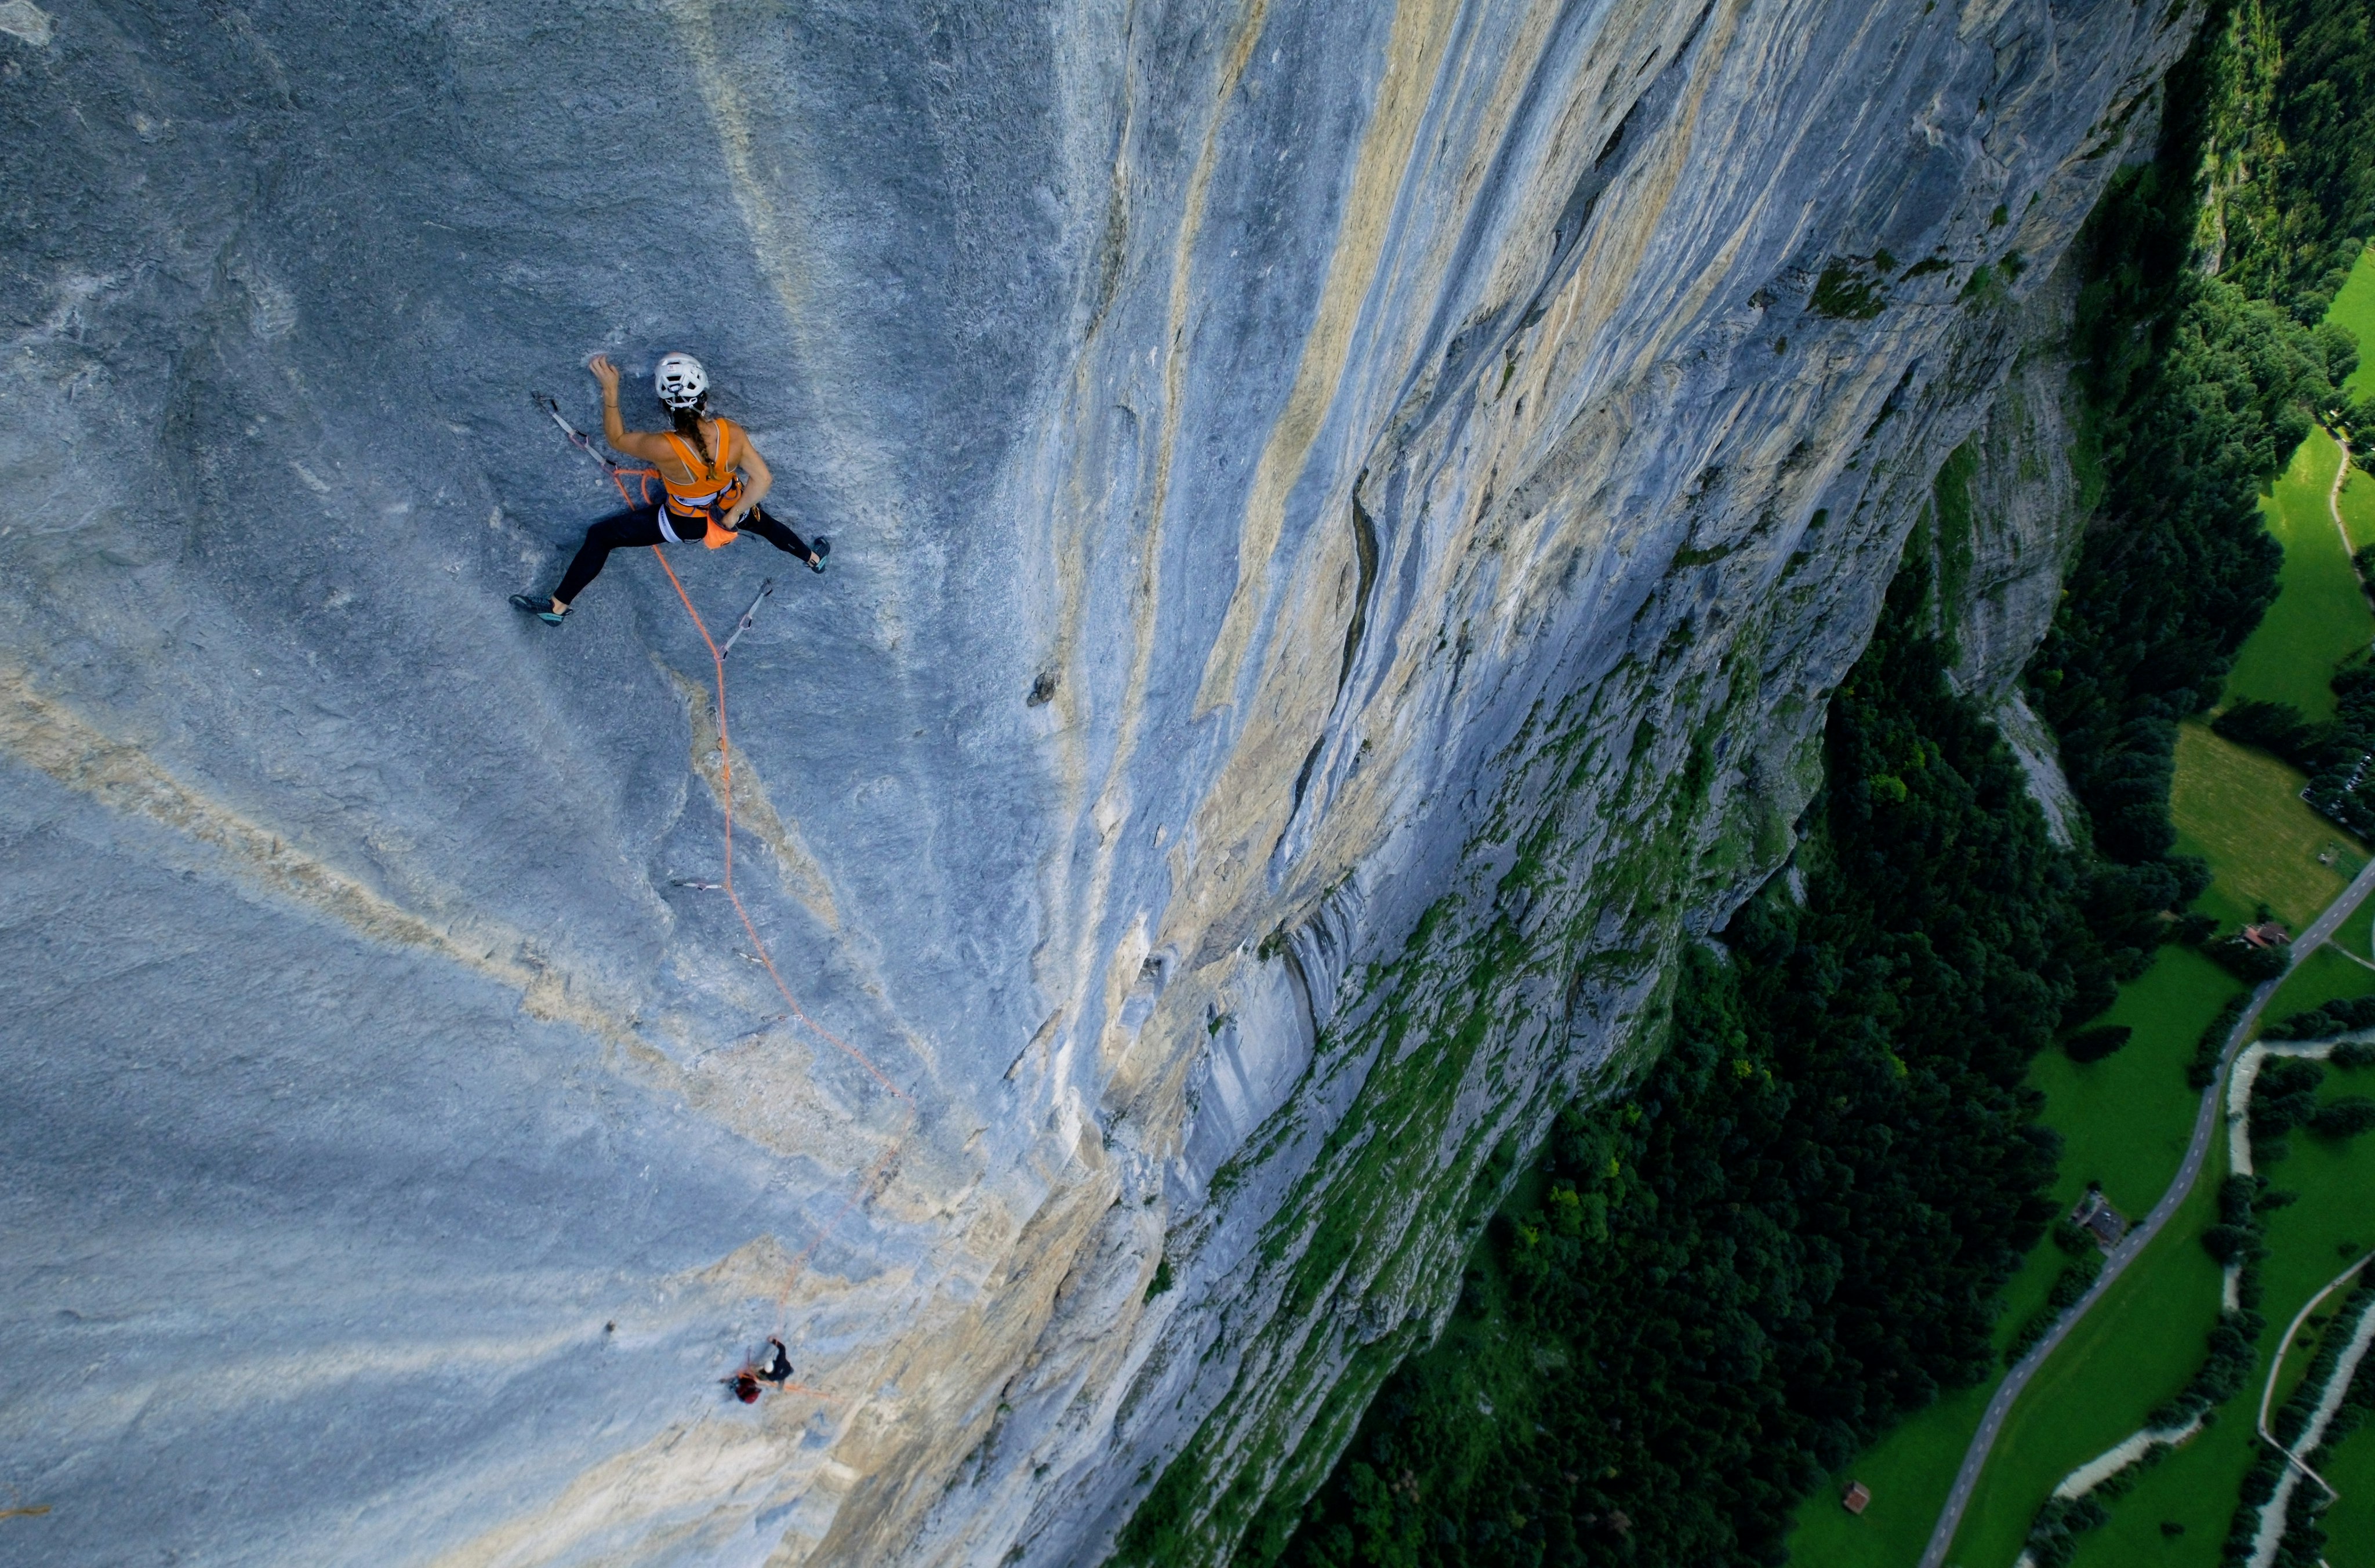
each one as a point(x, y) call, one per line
point(1792, 1233)
point(1713, 1290)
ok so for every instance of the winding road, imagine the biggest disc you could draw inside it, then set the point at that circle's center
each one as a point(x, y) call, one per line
point(2205, 1128)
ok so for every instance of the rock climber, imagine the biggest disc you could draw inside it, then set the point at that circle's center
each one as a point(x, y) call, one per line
point(778, 1371)
point(713, 478)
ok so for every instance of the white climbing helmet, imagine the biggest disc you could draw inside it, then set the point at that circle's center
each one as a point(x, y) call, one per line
point(680, 381)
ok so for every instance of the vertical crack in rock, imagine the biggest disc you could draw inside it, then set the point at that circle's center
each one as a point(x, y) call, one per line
point(1364, 551)
point(1413, 54)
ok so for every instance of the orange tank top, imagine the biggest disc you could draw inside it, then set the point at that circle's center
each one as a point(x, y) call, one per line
point(714, 486)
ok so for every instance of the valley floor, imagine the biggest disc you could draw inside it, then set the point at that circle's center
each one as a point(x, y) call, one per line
point(2125, 1120)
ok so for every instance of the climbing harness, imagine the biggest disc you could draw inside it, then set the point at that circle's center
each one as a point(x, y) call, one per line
point(878, 1175)
point(711, 492)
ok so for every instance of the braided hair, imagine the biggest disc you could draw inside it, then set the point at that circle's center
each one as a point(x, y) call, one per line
point(688, 424)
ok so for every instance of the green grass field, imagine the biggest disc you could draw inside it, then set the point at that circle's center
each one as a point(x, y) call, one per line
point(2358, 508)
point(2198, 1486)
point(2133, 1352)
point(1909, 1472)
point(2322, 977)
point(2125, 1120)
point(2241, 810)
point(2357, 935)
point(2350, 1523)
point(2320, 615)
point(2354, 308)
point(2332, 1223)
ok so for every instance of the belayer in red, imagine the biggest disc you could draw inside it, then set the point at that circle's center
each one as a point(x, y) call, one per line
point(711, 476)
point(746, 1382)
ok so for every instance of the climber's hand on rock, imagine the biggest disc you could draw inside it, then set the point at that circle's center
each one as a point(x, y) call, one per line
point(606, 373)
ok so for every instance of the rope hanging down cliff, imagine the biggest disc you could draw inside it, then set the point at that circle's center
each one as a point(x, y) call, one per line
point(867, 1188)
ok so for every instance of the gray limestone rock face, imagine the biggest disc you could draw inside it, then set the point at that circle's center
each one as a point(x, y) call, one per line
point(2007, 519)
point(2006, 540)
point(1345, 517)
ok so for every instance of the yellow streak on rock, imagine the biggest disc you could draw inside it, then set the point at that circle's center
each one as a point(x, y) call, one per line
point(671, 1489)
point(203, 1394)
point(948, 1367)
point(765, 1088)
point(759, 1090)
point(722, 95)
point(1249, 804)
point(1618, 242)
point(1413, 54)
point(754, 811)
point(1236, 824)
point(754, 1087)
point(1069, 556)
point(1112, 806)
point(47, 737)
point(787, 261)
point(682, 1471)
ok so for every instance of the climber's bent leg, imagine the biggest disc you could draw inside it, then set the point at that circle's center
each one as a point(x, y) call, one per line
point(784, 539)
point(639, 526)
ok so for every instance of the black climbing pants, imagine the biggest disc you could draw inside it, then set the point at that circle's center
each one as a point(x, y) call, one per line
point(641, 527)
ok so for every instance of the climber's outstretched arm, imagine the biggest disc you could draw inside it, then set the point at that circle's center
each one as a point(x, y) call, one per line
point(650, 447)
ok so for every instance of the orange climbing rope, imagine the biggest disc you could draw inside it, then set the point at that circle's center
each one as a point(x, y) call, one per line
point(765, 959)
point(866, 1189)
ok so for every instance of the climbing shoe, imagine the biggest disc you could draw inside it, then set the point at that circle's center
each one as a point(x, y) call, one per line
point(540, 608)
point(817, 549)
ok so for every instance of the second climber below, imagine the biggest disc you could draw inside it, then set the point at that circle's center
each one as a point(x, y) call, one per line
point(713, 478)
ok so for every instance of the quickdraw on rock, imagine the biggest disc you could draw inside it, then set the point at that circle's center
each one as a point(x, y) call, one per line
point(619, 473)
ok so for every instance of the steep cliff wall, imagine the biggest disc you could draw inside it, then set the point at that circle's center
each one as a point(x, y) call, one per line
point(1345, 518)
point(2010, 509)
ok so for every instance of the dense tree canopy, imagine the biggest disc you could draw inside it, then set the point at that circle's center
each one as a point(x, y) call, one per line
point(2325, 181)
point(1793, 1233)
